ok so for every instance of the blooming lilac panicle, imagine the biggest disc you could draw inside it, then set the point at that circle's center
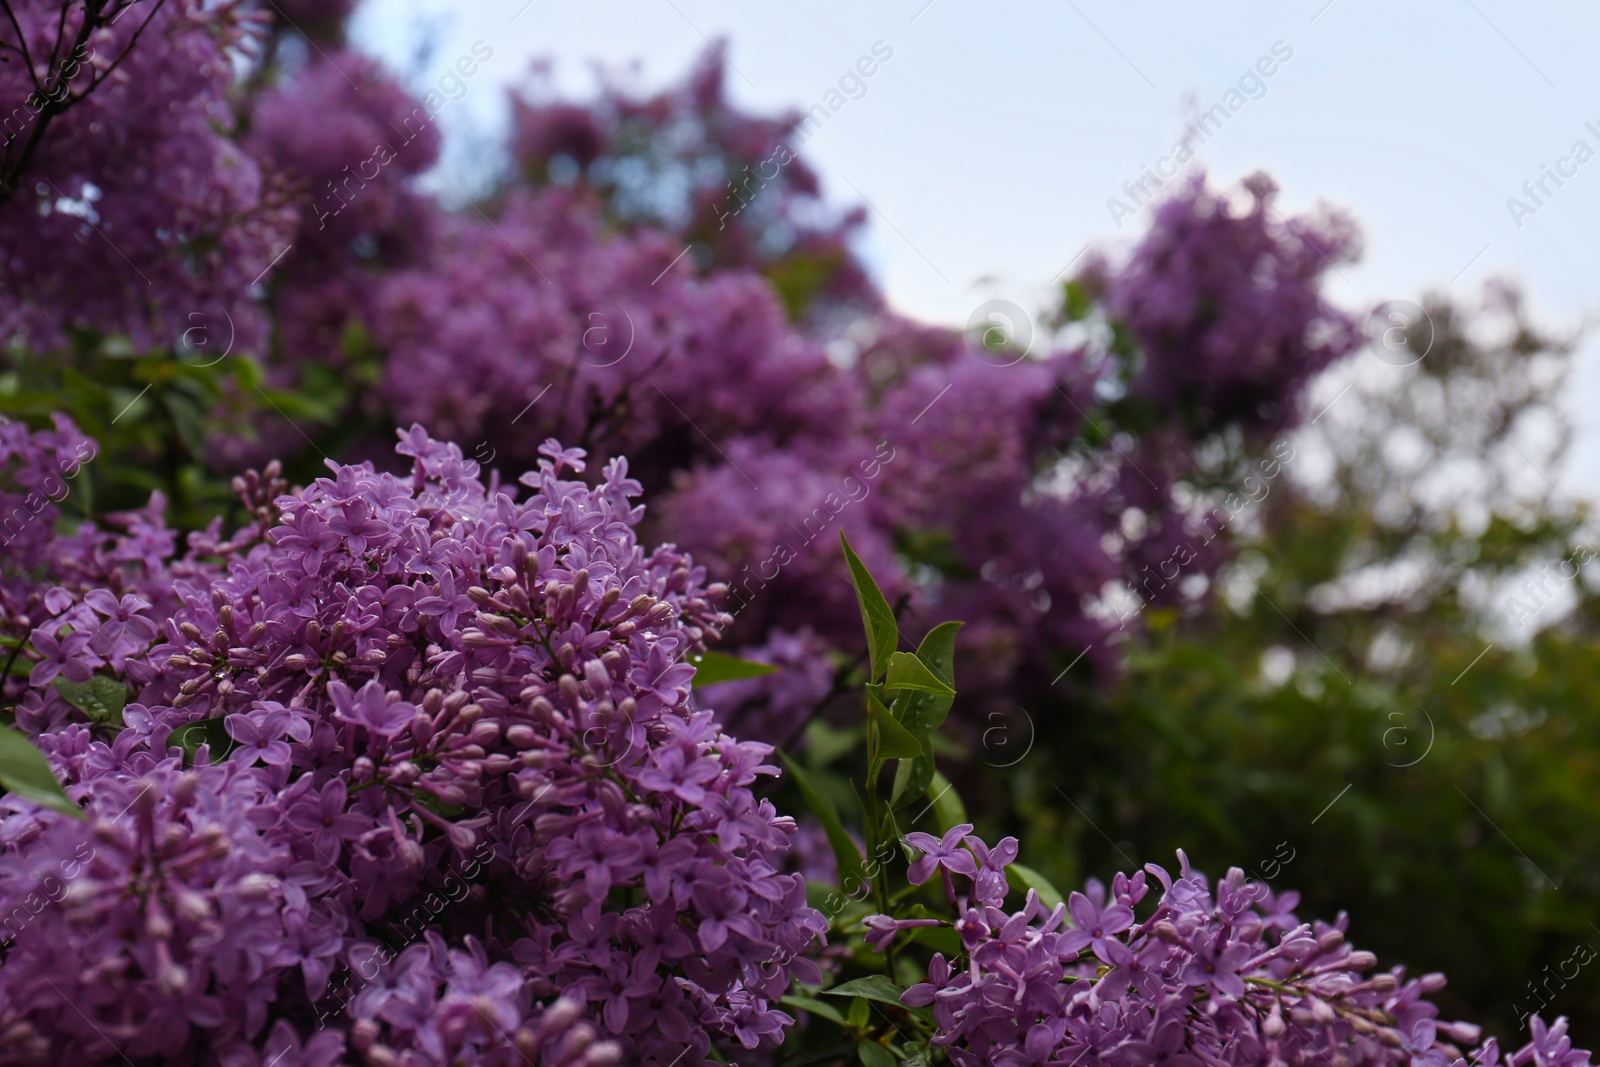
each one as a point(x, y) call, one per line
point(1223, 301)
point(1210, 977)
point(410, 770)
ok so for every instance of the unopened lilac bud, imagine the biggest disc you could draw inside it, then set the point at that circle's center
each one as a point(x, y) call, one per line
point(184, 790)
point(191, 907)
point(569, 690)
point(452, 795)
point(256, 887)
point(602, 1054)
point(1169, 933)
point(422, 729)
point(172, 979)
point(364, 1034)
point(412, 854)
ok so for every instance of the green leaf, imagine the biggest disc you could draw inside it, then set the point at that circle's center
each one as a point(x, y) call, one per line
point(713, 667)
point(825, 743)
point(872, 987)
point(894, 740)
point(1049, 895)
point(924, 712)
point(907, 671)
point(877, 618)
point(875, 1055)
point(851, 870)
point(100, 698)
point(902, 778)
point(948, 810)
point(815, 1007)
point(25, 772)
point(203, 732)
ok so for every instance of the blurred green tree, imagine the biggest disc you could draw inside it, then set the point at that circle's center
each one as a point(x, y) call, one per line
point(1389, 702)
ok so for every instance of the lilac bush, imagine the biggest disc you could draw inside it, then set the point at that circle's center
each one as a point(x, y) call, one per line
point(410, 771)
point(1223, 976)
point(1201, 976)
point(118, 159)
point(405, 767)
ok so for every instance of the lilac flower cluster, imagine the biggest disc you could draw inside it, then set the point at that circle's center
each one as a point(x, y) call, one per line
point(411, 773)
point(687, 162)
point(1209, 977)
point(117, 159)
point(1221, 296)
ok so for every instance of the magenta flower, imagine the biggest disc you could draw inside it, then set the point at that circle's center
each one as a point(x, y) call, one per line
point(260, 734)
point(1093, 925)
point(66, 656)
point(945, 852)
point(371, 707)
point(1216, 965)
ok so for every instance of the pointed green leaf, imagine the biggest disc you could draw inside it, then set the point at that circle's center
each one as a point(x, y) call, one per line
point(894, 740)
point(713, 667)
point(100, 698)
point(877, 618)
point(907, 671)
point(1049, 895)
point(815, 1007)
point(852, 874)
point(873, 1054)
point(925, 712)
point(203, 732)
point(903, 772)
point(25, 772)
point(872, 987)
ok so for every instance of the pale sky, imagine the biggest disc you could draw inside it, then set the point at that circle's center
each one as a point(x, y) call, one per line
point(989, 144)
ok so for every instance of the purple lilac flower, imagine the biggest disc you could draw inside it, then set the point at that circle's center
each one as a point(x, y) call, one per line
point(1195, 983)
point(433, 692)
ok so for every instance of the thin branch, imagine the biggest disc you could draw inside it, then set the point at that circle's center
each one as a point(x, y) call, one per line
point(94, 14)
point(22, 41)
